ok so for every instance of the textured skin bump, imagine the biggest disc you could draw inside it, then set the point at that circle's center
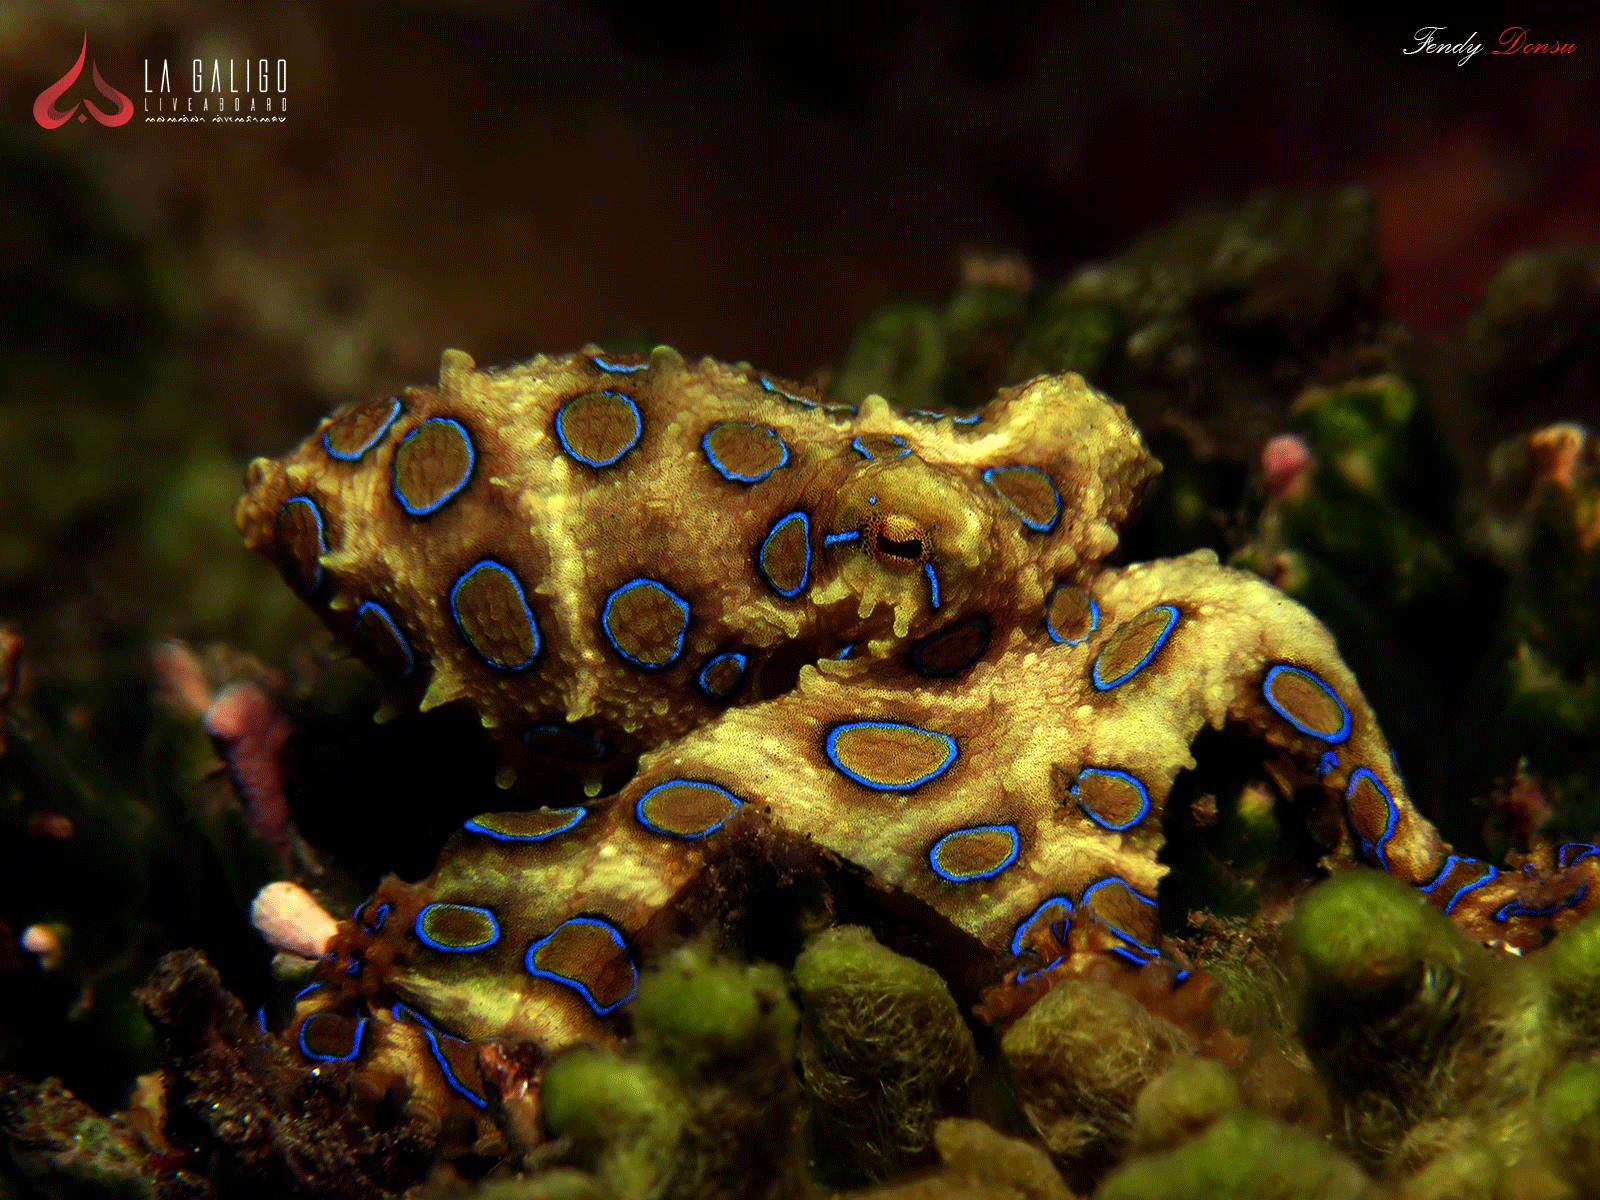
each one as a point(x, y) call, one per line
point(985, 722)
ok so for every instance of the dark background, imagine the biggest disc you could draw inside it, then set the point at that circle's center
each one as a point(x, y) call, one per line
point(513, 178)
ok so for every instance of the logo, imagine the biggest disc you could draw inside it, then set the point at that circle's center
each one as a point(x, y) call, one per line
point(49, 116)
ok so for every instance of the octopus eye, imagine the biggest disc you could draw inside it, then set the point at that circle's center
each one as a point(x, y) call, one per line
point(897, 540)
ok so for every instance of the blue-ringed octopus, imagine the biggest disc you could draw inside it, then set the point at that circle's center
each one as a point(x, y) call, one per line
point(886, 640)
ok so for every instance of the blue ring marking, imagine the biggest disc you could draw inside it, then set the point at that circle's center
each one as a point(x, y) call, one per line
point(1130, 955)
point(1584, 849)
point(373, 609)
point(1011, 856)
point(489, 564)
point(900, 443)
point(1333, 739)
point(1326, 763)
point(954, 752)
point(1120, 932)
point(1113, 773)
point(404, 1012)
point(354, 968)
point(846, 651)
point(1471, 885)
point(577, 984)
point(841, 410)
point(1378, 849)
point(933, 584)
point(307, 990)
point(768, 385)
point(968, 419)
point(617, 368)
point(805, 571)
point(638, 809)
point(1055, 635)
point(500, 835)
point(872, 499)
point(834, 539)
point(1515, 908)
point(678, 602)
point(700, 680)
point(1155, 647)
point(449, 1072)
point(918, 650)
point(1065, 926)
point(261, 1018)
point(1036, 526)
point(638, 432)
point(376, 918)
point(355, 1041)
point(422, 936)
point(733, 476)
point(378, 436)
point(401, 1011)
point(466, 476)
point(322, 534)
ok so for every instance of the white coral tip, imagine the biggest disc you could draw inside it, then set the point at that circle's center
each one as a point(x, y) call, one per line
point(290, 919)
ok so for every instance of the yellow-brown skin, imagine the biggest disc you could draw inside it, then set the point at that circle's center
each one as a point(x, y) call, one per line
point(1051, 724)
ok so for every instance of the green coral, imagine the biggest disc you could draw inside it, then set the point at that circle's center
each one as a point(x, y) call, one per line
point(884, 1052)
point(1408, 1021)
point(1243, 1155)
point(706, 1105)
point(1079, 1059)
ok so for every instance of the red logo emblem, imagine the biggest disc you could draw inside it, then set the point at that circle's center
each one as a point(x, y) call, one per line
point(50, 117)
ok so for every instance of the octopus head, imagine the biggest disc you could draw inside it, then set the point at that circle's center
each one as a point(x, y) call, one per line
point(909, 536)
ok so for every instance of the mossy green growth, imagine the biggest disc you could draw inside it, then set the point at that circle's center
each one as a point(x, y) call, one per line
point(898, 352)
point(1362, 934)
point(562, 1183)
point(1242, 1155)
point(1569, 1119)
point(1362, 431)
point(1573, 964)
point(1470, 1171)
point(1192, 1095)
point(610, 1107)
point(979, 1163)
point(705, 1105)
point(1068, 333)
point(884, 1052)
point(1079, 1059)
point(694, 1014)
point(1412, 1025)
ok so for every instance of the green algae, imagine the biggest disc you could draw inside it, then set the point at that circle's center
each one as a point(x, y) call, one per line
point(884, 1052)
